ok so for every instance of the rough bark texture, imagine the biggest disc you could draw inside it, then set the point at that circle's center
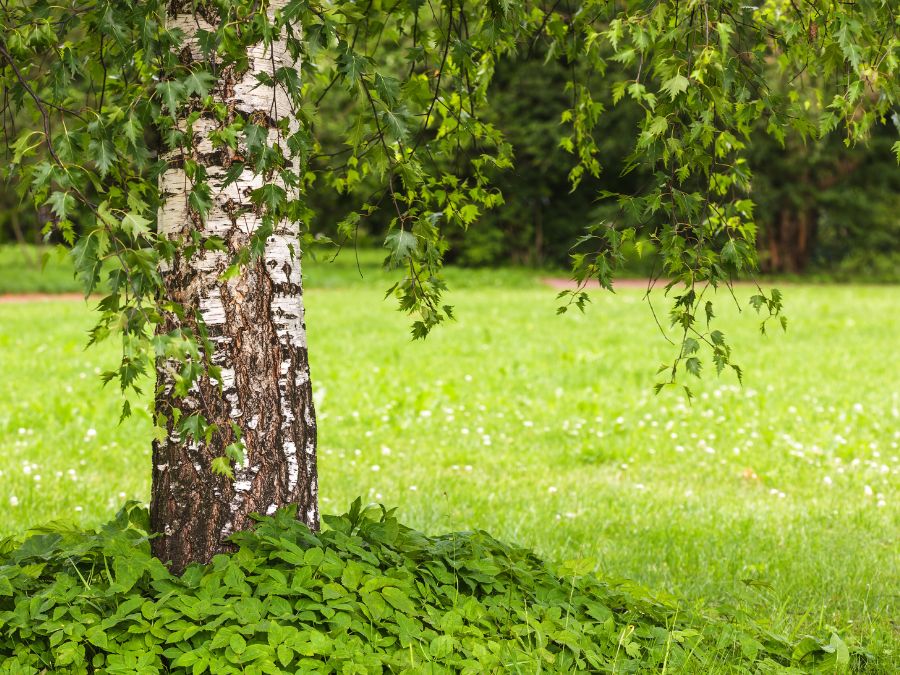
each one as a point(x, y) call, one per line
point(256, 327)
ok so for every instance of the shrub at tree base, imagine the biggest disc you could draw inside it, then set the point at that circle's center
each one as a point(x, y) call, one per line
point(367, 595)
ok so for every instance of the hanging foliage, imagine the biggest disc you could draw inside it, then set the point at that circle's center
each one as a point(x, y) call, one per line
point(93, 95)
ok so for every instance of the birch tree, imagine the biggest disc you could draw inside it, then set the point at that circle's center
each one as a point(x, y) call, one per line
point(258, 404)
point(175, 143)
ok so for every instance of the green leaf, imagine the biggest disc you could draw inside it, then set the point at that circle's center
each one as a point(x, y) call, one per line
point(136, 225)
point(199, 83)
point(200, 199)
point(841, 651)
point(237, 644)
point(172, 93)
point(657, 126)
point(285, 654)
point(693, 366)
point(127, 572)
point(271, 196)
point(402, 245)
point(257, 137)
point(675, 85)
point(388, 89)
point(398, 599)
point(103, 153)
point(441, 646)
point(222, 467)
point(351, 66)
point(86, 261)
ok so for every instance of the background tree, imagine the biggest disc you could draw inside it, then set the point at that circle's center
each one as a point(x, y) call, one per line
point(201, 277)
point(823, 207)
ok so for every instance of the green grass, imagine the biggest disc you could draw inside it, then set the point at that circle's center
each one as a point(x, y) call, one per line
point(780, 496)
point(32, 269)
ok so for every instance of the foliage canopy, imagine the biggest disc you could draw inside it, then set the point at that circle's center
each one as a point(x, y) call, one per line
point(93, 95)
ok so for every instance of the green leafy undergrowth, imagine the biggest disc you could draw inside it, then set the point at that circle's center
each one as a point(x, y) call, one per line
point(366, 595)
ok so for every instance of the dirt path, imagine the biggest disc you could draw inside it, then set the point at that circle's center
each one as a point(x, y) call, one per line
point(562, 284)
point(12, 298)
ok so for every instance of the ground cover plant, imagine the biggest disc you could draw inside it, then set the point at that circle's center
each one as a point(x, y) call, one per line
point(367, 595)
point(778, 498)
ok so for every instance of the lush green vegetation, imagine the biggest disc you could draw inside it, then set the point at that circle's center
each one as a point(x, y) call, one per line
point(366, 596)
point(778, 497)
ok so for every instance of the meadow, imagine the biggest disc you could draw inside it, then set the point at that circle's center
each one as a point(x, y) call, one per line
point(778, 496)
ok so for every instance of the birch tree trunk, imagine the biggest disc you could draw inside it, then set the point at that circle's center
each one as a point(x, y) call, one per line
point(256, 328)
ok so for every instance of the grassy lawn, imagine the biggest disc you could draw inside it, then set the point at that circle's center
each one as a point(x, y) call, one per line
point(780, 496)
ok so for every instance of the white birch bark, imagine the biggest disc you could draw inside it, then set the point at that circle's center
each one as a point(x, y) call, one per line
point(255, 323)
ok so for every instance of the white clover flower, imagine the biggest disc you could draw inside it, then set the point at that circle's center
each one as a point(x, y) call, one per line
point(13, 500)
